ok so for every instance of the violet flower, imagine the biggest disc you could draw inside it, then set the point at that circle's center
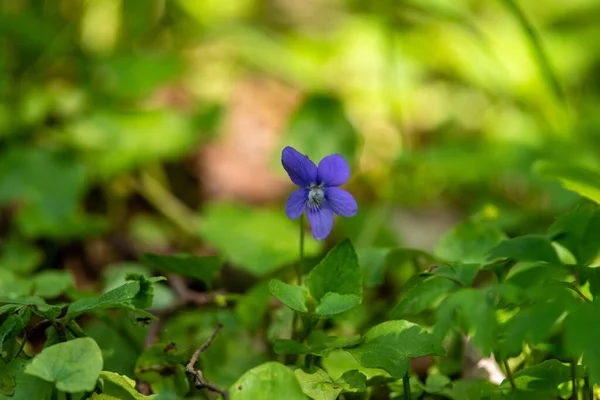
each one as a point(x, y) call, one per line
point(319, 193)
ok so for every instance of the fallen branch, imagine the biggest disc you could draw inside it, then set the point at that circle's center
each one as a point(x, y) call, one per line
point(199, 380)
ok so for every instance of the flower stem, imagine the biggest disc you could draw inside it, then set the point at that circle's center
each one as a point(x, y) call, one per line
point(509, 374)
point(406, 385)
point(299, 266)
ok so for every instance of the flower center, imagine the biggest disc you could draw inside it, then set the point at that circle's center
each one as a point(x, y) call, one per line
point(316, 196)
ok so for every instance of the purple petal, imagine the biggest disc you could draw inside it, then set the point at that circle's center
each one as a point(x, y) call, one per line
point(302, 171)
point(333, 171)
point(341, 202)
point(295, 203)
point(321, 221)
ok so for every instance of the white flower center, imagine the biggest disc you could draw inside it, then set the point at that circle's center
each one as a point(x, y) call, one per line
point(316, 196)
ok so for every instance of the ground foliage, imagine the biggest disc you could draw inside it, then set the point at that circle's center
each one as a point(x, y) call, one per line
point(122, 278)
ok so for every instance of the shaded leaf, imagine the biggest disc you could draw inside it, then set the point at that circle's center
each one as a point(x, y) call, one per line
point(13, 326)
point(543, 379)
point(583, 181)
point(581, 332)
point(526, 248)
point(202, 268)
point(120, 387)
point(423, 294)
point(579, 232)
point(391, 345)
point(468, 242)
point(162, 366)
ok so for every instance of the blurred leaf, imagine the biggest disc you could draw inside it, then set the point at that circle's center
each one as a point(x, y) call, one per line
point(27, 387)
point(270, 380)
point(581, 331)
point(584, 181)
point(202, 268)
point(252, 308)
point(13, 326)
point(415, 385)
point(52, 283)
point(579, 232)
point(390, 346)
point(163, 366)
point(525, 248)
point(421, 295)
point(338, 362)
point(320, 127)
point(471, 390)
point(19, 257)
point(40, 306)
point(436, 383)
point(293, 296)
point(262, 241)
point(372, 263)
point(318, 343)
point(543, 378)
point(74, 366)
point(117, 142)
point(468, 242)
point(463, 273)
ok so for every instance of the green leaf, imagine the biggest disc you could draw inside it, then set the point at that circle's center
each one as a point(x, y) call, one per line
point(270, 380)
point(318, 114)
point(338, 272)
point(391, 345)
point(252, 308)
point(7, 380)
point(471, 390)
point(581, 180)
point(27, 387)
point(581, 332)
point(475, 309)
point(19, 257)
point(162, 366)
point(579, 232)
point(352, 381)
point(334, 303)
point(143, 298)
point(74, 366)
point(373, 262)
point(463, 273)
point(293, 296)
point(422, 294)
point(120, 387)
point(39, 306)
point(468, 242)
point(317, 343)
point(526, 248)
point(543, 378)
point(317, 385)
point(52, 283)
point(436, 383)
point(262, 241)
point(202, 268)
point(288, 346)
point(13, 326)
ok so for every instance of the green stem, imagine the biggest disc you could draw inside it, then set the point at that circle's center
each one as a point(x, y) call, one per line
point(509, 374)
point(574, 395)
point(299, 266)
point(406, 385)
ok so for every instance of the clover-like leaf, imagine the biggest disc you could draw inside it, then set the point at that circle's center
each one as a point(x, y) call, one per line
point(391, 345)
point(270, 380)
point(202, 268)
point(74, 366)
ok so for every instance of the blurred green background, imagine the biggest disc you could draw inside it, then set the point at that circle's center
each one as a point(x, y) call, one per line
point(145, 125)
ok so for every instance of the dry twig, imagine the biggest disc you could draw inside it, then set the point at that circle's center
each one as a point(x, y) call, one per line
point(199, 380)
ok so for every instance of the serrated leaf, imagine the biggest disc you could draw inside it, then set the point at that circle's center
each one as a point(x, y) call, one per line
point(335, 303)
point(581, 332)
point(474, 308)
point(468, 242)
point(581, 180)
point(579, 232)
point(262, 241)
point(338, 272)
point(525, 248)
point(391, 345)
point(423, 294)
point(73, 366)
point(202, 268)
point(13, 326)
point(292, 296)
point(270, 380)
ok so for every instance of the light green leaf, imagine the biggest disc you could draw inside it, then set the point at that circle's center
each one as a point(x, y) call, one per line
point(468, 242)
point(335, 303)
point(202, 268)
point(338, 272)
point(581, 180)
point(19, 257)
point(317, 385)
point(51, 283)
point(262, 241)
point(270, 380)
point(391, 345)
point(352, 381)
point(525, 248)
point(291, 295)
point(74, 366)
point(120, 387)
point(471, 390)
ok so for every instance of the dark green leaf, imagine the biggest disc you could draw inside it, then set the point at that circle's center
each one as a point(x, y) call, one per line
point(471, 390)
point(13, 326)
point(74, 366)
point(423, 294)
point(120, 387)
point(468, 242)
point(252, 308)
point(543, 378)
point(526, 248)
point(162, 366)
point(581, 180)
point(579, 232)
point(202, 268)
point(392, 344)
point(581, 332)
